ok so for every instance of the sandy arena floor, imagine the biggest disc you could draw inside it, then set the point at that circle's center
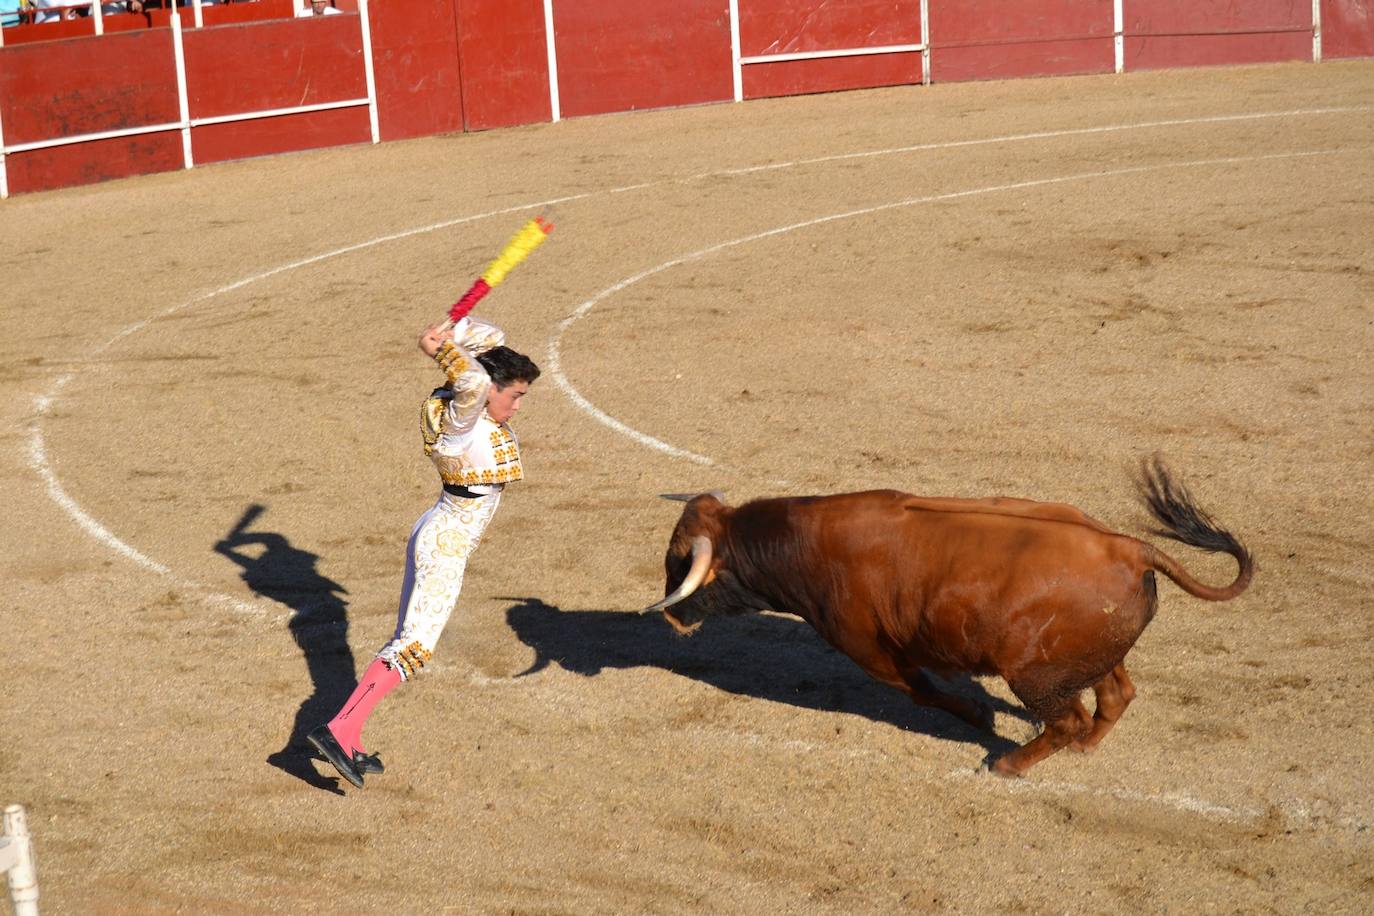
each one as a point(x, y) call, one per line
point(211, 465)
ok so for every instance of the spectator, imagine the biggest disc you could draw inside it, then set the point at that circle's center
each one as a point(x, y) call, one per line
point(316, 8)
point(52, 11)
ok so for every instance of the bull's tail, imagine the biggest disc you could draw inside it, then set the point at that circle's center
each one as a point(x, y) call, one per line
point(1181, 520)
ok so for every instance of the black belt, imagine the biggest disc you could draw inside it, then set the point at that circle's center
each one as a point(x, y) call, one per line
point(453, 489)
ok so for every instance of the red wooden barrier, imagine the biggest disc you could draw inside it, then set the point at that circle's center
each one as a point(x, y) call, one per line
point(768, 27)
point(285, 133)
point(505, 63)
point(415, 62)
point(286, 63)
point(281, 64)
point(994, 39)
point(218, 14)
point(1198, 33)
point(89, 85)
point(443, 65)
point(1347, 28)
point(618, 56)
point(99, 160)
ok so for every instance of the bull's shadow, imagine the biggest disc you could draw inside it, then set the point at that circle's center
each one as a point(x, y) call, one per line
point(274, 568)
point(768, 656)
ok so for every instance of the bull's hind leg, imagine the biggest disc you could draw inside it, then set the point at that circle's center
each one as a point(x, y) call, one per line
point(1066, 720)
point(1114, 693)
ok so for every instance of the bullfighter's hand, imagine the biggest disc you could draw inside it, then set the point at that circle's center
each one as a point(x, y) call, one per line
point(433, 337)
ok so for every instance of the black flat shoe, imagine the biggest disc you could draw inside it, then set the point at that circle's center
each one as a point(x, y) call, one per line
point(329, 749)
point(367, 763)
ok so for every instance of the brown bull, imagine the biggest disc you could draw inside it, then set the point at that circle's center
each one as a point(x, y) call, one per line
point(1037, 593)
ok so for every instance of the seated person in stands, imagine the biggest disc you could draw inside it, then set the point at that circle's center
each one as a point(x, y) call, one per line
point(52, 11)
point(316, 8)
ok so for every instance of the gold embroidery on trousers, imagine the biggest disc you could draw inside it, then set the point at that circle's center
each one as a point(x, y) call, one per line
point(411, 660)
point(453, 543)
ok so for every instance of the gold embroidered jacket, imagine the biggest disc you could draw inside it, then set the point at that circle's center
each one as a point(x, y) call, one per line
point(468, 447)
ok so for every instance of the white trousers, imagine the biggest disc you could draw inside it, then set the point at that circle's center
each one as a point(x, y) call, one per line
point(436, 558)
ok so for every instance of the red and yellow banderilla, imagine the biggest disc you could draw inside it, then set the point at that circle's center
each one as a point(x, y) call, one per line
point(521, 245)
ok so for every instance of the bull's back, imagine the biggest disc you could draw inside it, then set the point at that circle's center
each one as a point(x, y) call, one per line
point(968, 584)
point(902, 518)
point(1007, 507)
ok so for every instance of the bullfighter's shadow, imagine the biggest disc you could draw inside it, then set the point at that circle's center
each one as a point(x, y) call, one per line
point(275, 569)
point(768, 656)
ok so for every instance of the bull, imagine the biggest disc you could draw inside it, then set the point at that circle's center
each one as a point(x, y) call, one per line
point(1039, 594)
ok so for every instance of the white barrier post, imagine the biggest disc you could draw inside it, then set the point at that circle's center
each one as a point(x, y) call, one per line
point(4, 176)
point(16, 860)
point(551, 49)
point(925, 43)
point(1119, 35)
point(365, 23)
point(736, 67)
point(183, 100)
point(1316, 31)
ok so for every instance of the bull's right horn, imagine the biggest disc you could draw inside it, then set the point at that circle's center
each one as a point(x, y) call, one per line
point(701, 562)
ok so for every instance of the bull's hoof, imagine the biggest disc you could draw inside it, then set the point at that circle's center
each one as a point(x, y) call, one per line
point(1000, 767)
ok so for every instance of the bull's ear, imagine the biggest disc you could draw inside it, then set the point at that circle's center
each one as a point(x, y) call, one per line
point(688, 497)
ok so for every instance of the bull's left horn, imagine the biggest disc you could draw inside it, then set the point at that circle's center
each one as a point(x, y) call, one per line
point(701, 562)
point(688, 497)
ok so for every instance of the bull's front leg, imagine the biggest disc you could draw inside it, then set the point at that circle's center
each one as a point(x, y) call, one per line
point(925, 692)
point(885, 662)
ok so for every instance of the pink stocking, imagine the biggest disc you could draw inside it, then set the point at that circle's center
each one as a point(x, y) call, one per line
point(378, 680)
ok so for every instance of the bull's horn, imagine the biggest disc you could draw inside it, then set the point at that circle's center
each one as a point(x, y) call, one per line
point(688, 497)
point(701, 562)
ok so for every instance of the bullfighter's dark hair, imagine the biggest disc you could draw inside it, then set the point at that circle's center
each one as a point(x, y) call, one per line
point(505, 366)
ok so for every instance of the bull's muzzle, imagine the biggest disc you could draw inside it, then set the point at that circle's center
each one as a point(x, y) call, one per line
point(701, 563)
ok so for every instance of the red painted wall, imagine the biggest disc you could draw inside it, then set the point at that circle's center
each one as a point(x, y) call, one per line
point(1198, 33)
point(63, 89)
point(784, 26)
point(445, 65)
point(996, 39)
point(1347, 28)
point(505, 63)
point(415, 66)
point(830, 74)
point(286, 63)
point(615, 55)
point(286, 133)
point(280, 64)
point(87, 163)
point(73, 79)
